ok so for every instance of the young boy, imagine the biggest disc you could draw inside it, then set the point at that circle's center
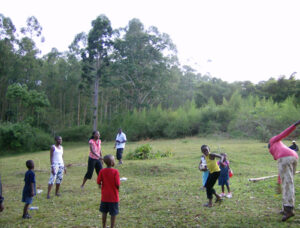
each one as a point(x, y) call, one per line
point(29, 188)
point(109, 180)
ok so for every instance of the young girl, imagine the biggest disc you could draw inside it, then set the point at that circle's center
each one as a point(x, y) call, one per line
point(214, 173)
point(224, 175)
point(95, 157)
point(203, 167)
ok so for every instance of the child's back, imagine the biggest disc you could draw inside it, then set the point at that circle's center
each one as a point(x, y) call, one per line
point(109, 179)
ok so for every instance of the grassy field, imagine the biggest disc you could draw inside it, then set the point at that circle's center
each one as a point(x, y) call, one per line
point(158, 193)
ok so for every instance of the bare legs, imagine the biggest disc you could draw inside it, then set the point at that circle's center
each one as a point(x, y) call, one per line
point(25, 211)
point(112, 220)
point(56, 190)
point(83, 182)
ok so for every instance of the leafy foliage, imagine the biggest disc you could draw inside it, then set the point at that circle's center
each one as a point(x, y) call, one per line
point(145, 152)
point(22, 137)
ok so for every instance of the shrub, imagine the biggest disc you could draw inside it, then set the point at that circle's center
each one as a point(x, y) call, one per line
point(145, 152)
point(140, 153)
point(22, 137)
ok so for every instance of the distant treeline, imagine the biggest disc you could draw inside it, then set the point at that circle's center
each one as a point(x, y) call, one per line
point(142, 88)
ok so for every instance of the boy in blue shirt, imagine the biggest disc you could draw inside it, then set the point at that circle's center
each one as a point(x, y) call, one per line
point(29, 188)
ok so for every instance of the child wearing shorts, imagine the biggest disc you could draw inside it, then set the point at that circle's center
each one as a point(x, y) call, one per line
point(109, 181)
point(29, 188)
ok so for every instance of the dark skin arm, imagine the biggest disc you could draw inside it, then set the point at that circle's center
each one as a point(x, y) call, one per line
point(51, 156)
point(297, 123)
point(212, 156)
point(32, 189)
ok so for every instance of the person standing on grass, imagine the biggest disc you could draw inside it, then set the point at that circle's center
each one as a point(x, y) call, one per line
point(57, 166)
point(203, 167)
point(109, 181)
point(1, 197)
point(29, 188)
point(120, 145)
point(287, 164)
point(95, 157)
point(214, 173)
point(294, 146)
point(224, 176)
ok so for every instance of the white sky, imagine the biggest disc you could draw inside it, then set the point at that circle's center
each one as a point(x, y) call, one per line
point(244, 39)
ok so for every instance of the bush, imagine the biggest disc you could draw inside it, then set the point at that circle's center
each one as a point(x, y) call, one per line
point(140, 153)
point(22, 137)
point(145, 152)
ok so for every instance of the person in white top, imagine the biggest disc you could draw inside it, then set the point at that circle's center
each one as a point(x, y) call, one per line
point(57, 166)
point(120, 145)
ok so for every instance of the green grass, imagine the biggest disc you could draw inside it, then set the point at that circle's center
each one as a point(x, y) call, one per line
point(158, 193)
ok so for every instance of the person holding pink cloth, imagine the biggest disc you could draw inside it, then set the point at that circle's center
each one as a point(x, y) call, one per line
point(287, 162)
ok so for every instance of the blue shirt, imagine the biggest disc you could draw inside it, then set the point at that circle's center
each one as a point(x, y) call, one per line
point(29, 178)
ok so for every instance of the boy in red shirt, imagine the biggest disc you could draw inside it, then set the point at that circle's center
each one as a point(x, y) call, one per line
point(109, 180)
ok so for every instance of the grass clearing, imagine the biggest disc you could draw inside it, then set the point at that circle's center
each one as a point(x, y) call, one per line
point(158, 193)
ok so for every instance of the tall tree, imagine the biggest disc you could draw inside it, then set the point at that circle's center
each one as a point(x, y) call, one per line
point(96, 56)
point(143, 62)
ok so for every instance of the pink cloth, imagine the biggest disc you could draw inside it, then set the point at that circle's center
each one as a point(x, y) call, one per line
point(278, 149)
point(96, 146)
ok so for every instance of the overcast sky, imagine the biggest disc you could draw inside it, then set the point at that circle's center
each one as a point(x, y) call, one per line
point(235, 40)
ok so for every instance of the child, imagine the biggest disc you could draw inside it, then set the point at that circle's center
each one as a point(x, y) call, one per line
point(203, 167)
point(29, 188)
point(214, 173)
point(109, 180)
point(224, 175)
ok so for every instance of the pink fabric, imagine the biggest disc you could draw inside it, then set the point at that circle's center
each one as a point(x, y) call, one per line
point(96, 146)
point(278, 149)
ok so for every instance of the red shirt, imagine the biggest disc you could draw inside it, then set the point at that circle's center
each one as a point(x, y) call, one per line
point(278, 149)
point(109, 179)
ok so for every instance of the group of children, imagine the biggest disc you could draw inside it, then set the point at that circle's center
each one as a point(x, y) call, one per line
point(108, 180)
point(212, 171)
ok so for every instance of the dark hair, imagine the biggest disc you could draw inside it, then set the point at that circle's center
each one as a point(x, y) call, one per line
point(108, 159)
point(29, 164)
point(94, 132)
point(57, 137)
point(204, 146)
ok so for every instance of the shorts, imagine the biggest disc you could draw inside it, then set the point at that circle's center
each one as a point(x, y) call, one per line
point(58, 176)
point(119, 153)
point(93, 164)
point(27, 200)
point(112, 208)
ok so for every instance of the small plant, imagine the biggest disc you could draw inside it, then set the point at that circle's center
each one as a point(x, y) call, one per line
point(145, 152)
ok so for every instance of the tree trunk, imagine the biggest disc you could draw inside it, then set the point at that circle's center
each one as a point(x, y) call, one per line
point(95, 108)
point(78, 109)
point(96, 94)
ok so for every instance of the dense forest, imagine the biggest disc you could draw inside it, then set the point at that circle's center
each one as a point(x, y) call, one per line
point(127, 77)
